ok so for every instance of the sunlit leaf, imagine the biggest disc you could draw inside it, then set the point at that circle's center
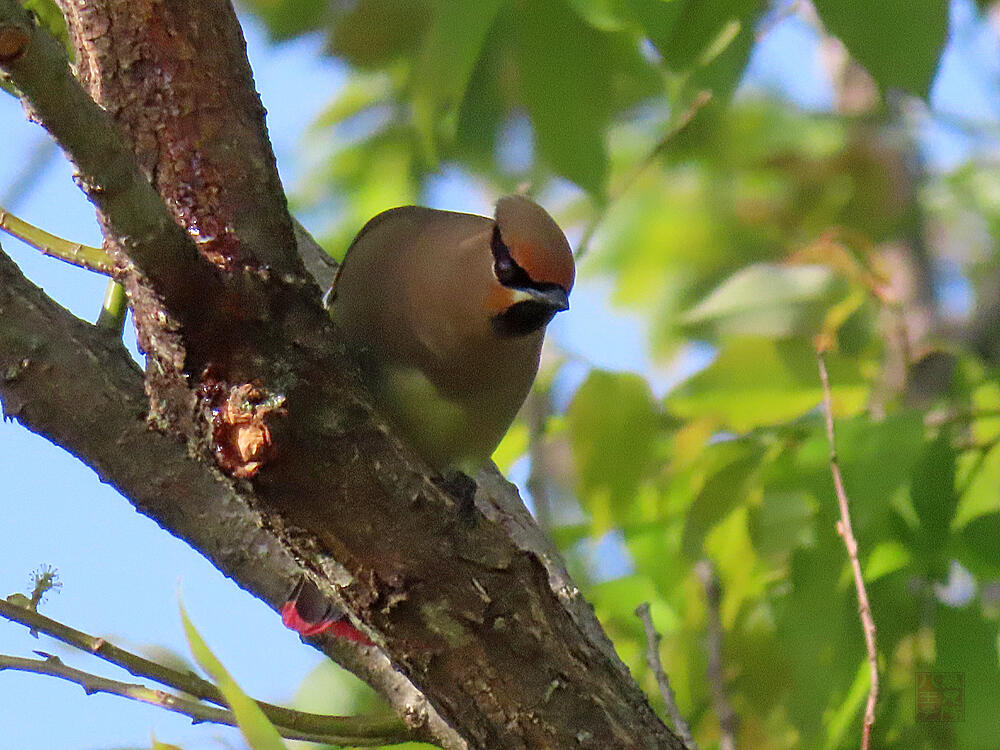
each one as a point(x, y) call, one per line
point(758, 382)
point(157, 745)
point(725, 489)
point(606, 15)
point(782, 522)
point(564, 77)
point(886, 558)
point(769, 300)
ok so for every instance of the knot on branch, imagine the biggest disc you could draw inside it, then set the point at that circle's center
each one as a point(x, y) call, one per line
point(242, 416)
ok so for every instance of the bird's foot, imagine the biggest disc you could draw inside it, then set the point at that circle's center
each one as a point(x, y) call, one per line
point(309, 614)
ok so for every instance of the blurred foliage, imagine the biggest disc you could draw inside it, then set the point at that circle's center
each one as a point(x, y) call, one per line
point(747, 227)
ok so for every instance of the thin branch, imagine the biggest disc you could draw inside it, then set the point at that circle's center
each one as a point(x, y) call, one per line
point(656, 667)
point(92, 258)
point(728, 720)
point(192, 684)
point(198, 712)
point(847, 534)
point(113, 309)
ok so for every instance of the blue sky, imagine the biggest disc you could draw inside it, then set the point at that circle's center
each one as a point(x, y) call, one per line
point(121, 574)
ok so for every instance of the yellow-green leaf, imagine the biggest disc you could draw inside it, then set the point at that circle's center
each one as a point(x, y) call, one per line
point(259, 732)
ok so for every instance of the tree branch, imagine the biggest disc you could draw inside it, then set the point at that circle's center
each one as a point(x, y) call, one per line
point(92, 258)
point(662, 680)
point(729, 724)
point(197, 711)
point(847, 534)
point(381, 729)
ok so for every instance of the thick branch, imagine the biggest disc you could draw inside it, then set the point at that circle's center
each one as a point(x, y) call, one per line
point(77, 386)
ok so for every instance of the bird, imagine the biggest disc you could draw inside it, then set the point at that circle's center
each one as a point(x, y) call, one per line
point(445, 314)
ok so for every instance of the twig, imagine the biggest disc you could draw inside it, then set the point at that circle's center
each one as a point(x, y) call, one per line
point(701, 99)
point(847, 534)
point(197, 711)
point(92, 258)
point(114, 308)
point(656, 667)
point(192, 684)
point(729, 723)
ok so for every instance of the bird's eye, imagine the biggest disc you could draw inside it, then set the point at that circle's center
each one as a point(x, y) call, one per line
point(504, 266)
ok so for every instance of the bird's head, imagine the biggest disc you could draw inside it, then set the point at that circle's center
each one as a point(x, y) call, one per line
point(532, 266)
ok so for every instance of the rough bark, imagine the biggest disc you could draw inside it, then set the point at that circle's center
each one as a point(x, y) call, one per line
point(470, 604)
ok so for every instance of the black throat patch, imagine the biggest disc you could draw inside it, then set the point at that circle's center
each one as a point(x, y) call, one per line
point(521, 319)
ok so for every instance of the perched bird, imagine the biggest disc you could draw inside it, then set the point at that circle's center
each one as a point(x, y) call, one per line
point(445, 313)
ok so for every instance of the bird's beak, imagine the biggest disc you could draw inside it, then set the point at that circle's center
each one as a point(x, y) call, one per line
point(555, 297)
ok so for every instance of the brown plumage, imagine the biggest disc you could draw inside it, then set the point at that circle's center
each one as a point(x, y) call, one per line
point(445, 313)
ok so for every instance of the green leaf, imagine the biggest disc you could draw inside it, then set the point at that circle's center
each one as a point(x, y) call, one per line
point(966, 644)
point(606, 15)
point(157, 745)
point(564, 72)
point(766, 299)
point(50, 18)
point(782, 522)
point(981, 545)
point(756, 382)
point(932, 488)
point(259, 732)
point(373, 33)
point(657, 18)
point(886, 558)
point(898, 41)
point(844, 718)
point(361, 91)
point(701, 26)
point(612, 424)
point(287, 18)
point(450, 50)
point(723, 491)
